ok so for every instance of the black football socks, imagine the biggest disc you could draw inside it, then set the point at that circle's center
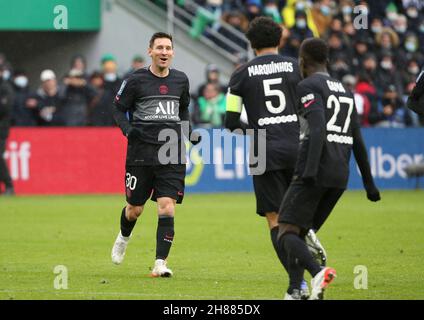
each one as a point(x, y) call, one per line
point(164, 236)
point(297, 250)
point(280, 253)
point(126, 225)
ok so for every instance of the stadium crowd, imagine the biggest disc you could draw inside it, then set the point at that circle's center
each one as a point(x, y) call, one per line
point(379, 62)
point(379, 58)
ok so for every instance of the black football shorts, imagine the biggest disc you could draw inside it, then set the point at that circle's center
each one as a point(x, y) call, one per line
point(144, 182)
point(270, 189)
point(308, 206)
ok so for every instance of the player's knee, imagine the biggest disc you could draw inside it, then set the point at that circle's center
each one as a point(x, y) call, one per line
point(166, 206)
point(133, 212)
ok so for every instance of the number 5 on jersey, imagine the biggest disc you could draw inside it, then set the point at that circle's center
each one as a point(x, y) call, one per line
point(274, 92)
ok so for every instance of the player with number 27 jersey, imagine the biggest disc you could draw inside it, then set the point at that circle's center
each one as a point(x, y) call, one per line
point(321, 93)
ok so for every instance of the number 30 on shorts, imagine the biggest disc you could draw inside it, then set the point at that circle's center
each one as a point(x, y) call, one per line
point(131, 181)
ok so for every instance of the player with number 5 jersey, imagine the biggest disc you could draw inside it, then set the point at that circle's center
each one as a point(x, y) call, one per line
point(266, 86)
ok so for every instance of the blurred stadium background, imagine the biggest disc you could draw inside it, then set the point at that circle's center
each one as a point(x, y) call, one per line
point(66, 59)
point(73, 54)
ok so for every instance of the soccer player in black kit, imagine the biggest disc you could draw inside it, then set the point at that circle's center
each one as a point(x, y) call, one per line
point(415, 100)
point(156, 98)
point(266, 86)
point(329, 131)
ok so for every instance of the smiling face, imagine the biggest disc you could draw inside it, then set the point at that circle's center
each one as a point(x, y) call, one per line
point(161, 53)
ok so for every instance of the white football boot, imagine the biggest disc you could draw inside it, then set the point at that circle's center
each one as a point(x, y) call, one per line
point(161, 270)
point(320, 282)
point(119, 247)
point(316, 248)
point(294, 296)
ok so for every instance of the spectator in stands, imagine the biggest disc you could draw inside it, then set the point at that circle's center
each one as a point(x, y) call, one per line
point(387, 74)
point(339, 66)
point(78, 62)
point(400, 26)
point(212, 76)
point(238, 21)
point(360, 50)
point(291, 7)
point(410, 50)
point(362, 102)
point(349, 32)
point(369, 67)
point(387, 40)
point(366, 88)
point(99, 114)
point(346, 10)
point(253, 9)
point(210, 109)
point(6, 104)
point(412, 12)
point(392, 110)
point(322, 15)
point(137, 63)
point(111, 86)
point(23, 114)
point(336, 46)
point(410, 73)
point(376, 26)
point(77, 95)
point(49, 101)
point(271, 10)
point(7, 67)
point(299, 32)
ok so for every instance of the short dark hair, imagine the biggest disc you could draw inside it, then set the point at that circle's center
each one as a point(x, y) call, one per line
point(314, 50)
point(159, 35)
point(263, 32)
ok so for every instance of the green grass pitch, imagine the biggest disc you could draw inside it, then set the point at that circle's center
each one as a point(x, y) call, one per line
point(221, 250)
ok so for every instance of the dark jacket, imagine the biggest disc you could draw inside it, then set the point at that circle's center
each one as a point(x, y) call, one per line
point(6, 105)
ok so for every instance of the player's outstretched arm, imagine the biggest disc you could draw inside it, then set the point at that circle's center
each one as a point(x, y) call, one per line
point(361, 157)
point(316, 123)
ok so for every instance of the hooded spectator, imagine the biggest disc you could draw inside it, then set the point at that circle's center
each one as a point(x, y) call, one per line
point(23, 114)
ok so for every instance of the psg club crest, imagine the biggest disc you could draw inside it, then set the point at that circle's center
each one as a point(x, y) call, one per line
point(163, 89)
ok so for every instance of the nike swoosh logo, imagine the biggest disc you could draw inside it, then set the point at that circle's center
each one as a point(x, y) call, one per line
point(306, 105)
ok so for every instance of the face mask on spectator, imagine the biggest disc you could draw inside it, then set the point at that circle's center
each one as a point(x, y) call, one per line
point(111, 77)
point(401, 28)
point(301, 23)
point(410, 46)
point(6, 75)
point(347, 10)
point(412, 13)
point(300, 6)
point(325, 10)
point(21, 81)
point(386, 65)
point(413, 70)
point(392, 15)
point(376, 29)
